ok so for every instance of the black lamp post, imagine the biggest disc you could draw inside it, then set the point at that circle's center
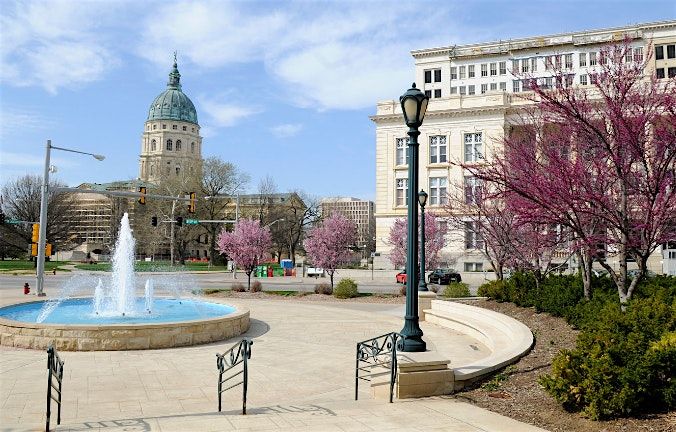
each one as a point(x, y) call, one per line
point(422, 200)
point(413, 105)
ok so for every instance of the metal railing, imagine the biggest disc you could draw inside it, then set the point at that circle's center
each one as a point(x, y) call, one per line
point(379, 352)
point(55, 367)
point(238, 354)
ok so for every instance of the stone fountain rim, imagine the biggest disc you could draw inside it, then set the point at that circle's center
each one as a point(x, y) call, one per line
point(236, 314)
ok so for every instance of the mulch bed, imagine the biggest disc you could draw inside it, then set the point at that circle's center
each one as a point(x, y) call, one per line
point(519, 395)
point(312, 297)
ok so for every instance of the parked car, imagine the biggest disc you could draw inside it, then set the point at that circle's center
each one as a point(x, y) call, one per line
point(401, 277)
point(315, 272)
point(444, 276)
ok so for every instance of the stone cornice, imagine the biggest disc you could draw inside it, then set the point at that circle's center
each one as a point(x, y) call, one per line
point(503, 47)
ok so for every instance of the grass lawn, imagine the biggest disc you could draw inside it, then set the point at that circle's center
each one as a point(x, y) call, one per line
point(12, 265)
point(144, 266)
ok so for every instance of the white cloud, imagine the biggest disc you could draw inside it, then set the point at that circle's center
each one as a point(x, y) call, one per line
point(220, 115)
point(53, 44)
point(286, 130)
point(325, 55)
point(22, 120)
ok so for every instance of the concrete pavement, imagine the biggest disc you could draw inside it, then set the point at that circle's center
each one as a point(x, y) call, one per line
point(301, 378)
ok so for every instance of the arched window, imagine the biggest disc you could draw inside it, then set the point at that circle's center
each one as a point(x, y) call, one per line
point(178, 145)
point(169, 144)
point(178, 170)
point(192, 147)
point(153, 145)
point(152, 170)
point(154, 126)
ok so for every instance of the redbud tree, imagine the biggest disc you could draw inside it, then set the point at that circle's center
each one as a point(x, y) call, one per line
point(435, 240)
point(248, 245)
point(327, 244)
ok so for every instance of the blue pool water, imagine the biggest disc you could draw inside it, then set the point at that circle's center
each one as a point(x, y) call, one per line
point(81, 311)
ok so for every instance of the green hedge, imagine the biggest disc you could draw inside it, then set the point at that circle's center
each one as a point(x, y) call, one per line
point(456, 290)
point(346, 288)
point(623, 362)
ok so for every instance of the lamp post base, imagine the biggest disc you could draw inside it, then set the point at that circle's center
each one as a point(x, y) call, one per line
point(412, 333)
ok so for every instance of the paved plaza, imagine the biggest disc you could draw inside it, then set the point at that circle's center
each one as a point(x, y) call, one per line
point(301, 377)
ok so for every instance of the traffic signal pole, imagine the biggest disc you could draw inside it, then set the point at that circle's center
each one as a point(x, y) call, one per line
point(42, 239)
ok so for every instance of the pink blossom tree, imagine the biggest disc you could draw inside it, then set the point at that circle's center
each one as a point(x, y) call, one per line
point(599, 160)
point(247, 245)
point(327, 244)
point(435, 240)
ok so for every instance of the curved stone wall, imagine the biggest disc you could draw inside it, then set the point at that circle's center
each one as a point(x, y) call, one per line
point(117, 337)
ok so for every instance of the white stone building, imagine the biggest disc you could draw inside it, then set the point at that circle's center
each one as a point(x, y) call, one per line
point(471, 90)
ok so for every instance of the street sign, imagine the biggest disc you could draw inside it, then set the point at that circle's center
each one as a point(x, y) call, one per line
point(192, 222)
point(13, 222)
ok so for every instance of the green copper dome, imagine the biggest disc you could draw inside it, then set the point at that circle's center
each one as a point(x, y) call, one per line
point(173, 104)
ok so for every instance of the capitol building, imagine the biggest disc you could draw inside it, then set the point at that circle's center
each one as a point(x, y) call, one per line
point(171, 152)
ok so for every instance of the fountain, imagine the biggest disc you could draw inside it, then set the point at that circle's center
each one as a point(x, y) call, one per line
point(115, 318)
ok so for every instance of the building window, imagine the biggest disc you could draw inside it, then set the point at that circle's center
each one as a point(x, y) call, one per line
point(470, 71)
point(494, 86)
point(474, 267)
point(473, 238)
point(462, 72)
point(569, 61)
point(569, 79)
point(437, 75)
point(169, 144)
point(193, 129)
point(660, 72)
point(463, 90)
point(515, 67)
point(671, 51)
point(470, 90)
point(164, 126)
point(154, 126)
point(659, 53)
point(534, 64)
point(185, 128)
point(516, 86)
point(437, 93)
point(472, 190)
point(178, 170)
point(192, 147)
point(178, 145)
point(484, 88)
point(592, 59)
point(503, 68)
point(153, 145)
point(583, 79)
point(454, 72)
point(428, 76)
point(473, 143)
point(438, 149)
point(628, 57)
point(524, 65)
point(638, 54)
point(583, 59)
point(454, 90)
point(174, 127)
point(484, 70)
point(401, 155)
point(438, 195)
point(671, 72)
point(428, 93)
point(503, 86)
point(402, 192)
point(494, 69)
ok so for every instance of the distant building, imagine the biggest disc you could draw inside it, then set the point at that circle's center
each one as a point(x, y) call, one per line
point(472, 102)
point(361, 212)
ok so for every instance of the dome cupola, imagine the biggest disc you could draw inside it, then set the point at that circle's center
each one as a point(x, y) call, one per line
point(173, 104)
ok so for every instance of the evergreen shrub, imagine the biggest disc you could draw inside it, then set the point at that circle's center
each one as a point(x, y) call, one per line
point(346, 288)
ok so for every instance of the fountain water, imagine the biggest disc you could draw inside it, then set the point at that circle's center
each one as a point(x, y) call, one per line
point(149, 295)
point(123, 280)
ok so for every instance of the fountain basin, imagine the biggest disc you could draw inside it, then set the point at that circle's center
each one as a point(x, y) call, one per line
point(134, 333)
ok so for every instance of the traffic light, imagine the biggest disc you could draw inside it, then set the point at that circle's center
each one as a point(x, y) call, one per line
point(2, 218)
point(191, 206)
point(142, 198)
point(48, 249)
point(36, 233)
point(179, 221)
point(153, 221)
point(34, 249)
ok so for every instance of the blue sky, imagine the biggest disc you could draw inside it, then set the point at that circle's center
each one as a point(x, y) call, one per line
point(281, 88)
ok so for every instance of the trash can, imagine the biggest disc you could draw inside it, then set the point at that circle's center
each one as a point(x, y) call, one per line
point(269, 271)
